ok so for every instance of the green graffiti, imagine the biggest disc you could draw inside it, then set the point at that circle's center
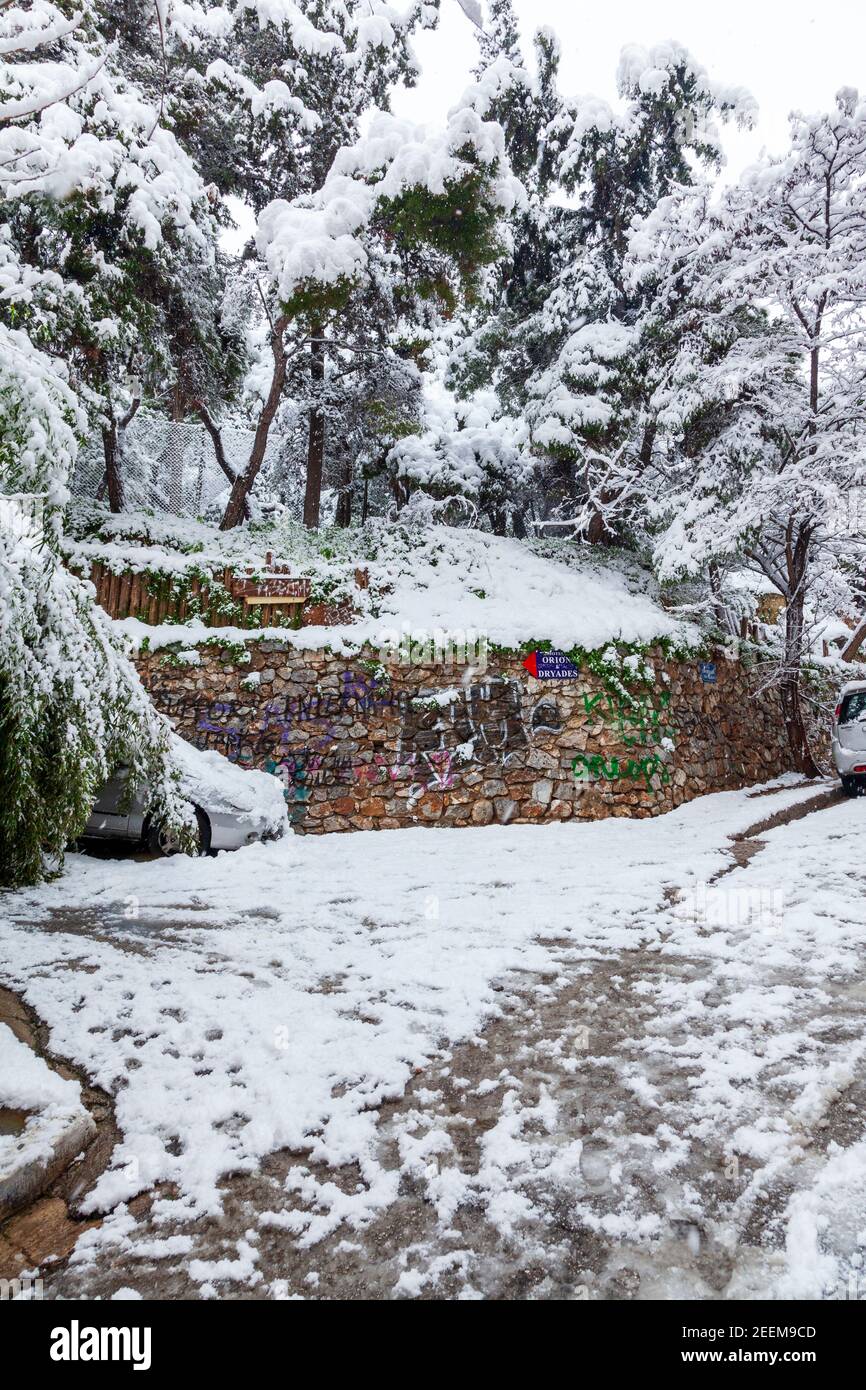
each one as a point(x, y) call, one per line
point(595, 765)
point(639, 719)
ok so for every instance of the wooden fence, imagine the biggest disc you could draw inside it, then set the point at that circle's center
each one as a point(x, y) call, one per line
point(222, 601)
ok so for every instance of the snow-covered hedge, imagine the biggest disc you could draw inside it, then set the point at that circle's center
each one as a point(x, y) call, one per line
point(71, 705)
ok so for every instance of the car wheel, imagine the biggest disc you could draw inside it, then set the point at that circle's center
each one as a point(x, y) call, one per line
point(164, 842)
point(850, 787)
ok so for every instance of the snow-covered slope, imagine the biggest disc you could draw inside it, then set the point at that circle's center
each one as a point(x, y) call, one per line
point(513, 594)
point(457, 580)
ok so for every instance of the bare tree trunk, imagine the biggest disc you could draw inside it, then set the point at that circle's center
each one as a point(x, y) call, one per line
point(316, 437)
point(220, 453)
point(792, 704)
point(113, 479)
point(596, 531)
point(855, 642)
point(118, 432)
point(399, 491)
point(243, 483)
point(344, 499)
point(721, 613)
point(343, 515)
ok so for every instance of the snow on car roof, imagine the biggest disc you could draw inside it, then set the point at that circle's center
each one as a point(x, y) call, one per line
point(211, 780)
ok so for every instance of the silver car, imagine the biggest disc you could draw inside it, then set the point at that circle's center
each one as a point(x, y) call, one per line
point(233, 806)
point(849, 738)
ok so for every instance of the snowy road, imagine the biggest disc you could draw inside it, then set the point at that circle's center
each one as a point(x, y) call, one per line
point(598, 1061)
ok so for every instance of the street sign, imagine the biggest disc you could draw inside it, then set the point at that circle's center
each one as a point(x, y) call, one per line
point(551, 666)
point(708, 672)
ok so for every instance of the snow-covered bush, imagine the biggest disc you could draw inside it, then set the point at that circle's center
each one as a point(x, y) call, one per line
point(72, 708)
point(468, 456)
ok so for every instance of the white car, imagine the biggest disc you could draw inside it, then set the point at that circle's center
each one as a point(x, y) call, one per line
point(849, 738)
point(233, 806)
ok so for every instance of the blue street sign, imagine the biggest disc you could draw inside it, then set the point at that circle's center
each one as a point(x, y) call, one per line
point(551, 666)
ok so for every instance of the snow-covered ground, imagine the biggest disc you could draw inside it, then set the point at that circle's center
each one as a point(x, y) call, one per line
point(49, 1104)
point(568, 1047)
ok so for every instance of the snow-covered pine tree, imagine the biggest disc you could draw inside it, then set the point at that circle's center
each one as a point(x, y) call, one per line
point(500, 347)
point(765, 409)
point(265, 95)
point(356, 270)
point(71, 706)
point(107, 227)
point(499, 36)
point(265, 92)
point(589, 403)
point(556, 339)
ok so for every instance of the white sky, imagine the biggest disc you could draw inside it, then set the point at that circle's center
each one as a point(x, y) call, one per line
point(788, 53)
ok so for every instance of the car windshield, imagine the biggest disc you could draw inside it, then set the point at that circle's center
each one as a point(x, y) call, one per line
point(853, 707)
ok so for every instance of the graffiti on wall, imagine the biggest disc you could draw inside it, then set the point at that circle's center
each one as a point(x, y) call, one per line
point(364, 734)
point(641, 720)
point(596, 766)
point(638, 719)
point(644, 720)
point(308, 741)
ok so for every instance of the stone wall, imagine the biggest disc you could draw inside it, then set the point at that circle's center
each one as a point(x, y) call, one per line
point(359, 746)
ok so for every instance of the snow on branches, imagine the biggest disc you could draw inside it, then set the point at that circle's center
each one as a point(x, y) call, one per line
point(759, 308)
point(76, 128)
point(87, 180)
point(40, 416)
point(320, 241)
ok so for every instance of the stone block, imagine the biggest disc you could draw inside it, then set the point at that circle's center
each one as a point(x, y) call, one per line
point(542, 792)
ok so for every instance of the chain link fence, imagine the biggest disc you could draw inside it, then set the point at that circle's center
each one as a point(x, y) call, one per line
point(166, 465)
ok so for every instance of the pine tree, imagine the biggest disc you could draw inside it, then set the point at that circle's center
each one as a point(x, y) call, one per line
point(529, 109)
point(264, 108)
point(590, 410)
point(414, 253)
point(71, 705)
point(105, 203)
point(558, 345)
point(765, 408)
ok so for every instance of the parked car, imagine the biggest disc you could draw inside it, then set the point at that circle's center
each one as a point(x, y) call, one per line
point(849, 738)
point(233, 806)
